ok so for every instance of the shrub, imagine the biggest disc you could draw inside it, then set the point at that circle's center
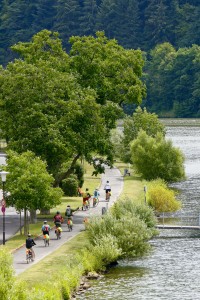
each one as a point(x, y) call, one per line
point(89, 260)
point(107, 250)
point(70, 185)
point(161, 198)
point(129, 231)
point(6, 274)
point(127, 206)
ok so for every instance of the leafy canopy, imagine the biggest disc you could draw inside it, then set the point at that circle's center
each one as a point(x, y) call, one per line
point(155, 157)
point(62, 107)
point(29, 183)
point(140, 120)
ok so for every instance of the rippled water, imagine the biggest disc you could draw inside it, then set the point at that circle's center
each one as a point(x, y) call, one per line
point(172, 270)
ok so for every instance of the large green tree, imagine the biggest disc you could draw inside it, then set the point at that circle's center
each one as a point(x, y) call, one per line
point(62, 106)
point(29, 184)
point(155, 157)
point(140, 120)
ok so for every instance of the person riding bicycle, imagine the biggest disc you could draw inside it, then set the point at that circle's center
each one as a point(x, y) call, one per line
point(107, 188)
point(96, 195)
point(29, 244)
point(58, 219)
point(46, 228)
point(86, 197)
point(69, 211)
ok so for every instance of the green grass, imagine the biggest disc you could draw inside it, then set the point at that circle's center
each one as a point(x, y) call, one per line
point(133, 185)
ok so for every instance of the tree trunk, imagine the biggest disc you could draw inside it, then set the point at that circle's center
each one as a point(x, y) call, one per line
point(33, 216)
point(25, 222)
point(45, 211)
point(64, 175)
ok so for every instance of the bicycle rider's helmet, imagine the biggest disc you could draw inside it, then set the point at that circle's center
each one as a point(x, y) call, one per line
point(58, 212)
point(29, 234)
point(45, 222)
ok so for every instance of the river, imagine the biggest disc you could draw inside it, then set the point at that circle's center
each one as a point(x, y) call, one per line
point(172, 270)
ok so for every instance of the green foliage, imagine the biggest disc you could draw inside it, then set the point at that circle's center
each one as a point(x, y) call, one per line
point(47, 291)
point(67, 104)
point(29, 183)
point(107, 249)
point(6, 274)
point(173, 80)
point(130, 228)
point(140, 120)
point(79, 171)
point(70, 185)
point(161, 198)
point(127, 206)
point(112, 71)
point(157, 158)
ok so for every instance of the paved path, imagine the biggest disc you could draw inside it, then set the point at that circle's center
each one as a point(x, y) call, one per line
point(116, 182)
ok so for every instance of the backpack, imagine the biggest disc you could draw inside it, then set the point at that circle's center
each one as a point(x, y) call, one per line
point(46, 228)
point(68, 212)
point(95, 194)
point(57, 218)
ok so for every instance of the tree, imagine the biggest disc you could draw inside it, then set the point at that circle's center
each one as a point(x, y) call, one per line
point(29, 184)
point(159, 77)
point(120, 19)
point(58, 105)
point(113, 72)
point(155, 157)
point(140, 120)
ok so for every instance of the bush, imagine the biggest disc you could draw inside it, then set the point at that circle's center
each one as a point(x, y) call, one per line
point(6, 274)
point(161, 198)
point(70, 185)
point(127, 206)
point(127, 229)
point(106, 249)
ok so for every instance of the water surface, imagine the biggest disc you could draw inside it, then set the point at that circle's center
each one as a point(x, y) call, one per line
point(172, 270)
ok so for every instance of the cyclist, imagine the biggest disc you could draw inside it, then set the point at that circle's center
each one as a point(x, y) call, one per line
point(96, 195)
point(107, 188)
point(86, 197)
point(58, 219)
point(46, 228)
point(29, 244)
point(69, 211)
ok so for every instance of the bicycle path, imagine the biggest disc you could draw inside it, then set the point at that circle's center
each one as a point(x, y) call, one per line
point(116, 181)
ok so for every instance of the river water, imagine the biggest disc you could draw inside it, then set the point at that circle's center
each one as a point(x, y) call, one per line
point(172, 269)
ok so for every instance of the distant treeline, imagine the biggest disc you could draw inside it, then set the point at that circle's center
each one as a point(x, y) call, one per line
point(135, 24)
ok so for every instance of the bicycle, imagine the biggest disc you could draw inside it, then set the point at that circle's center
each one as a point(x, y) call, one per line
point(70, 224)
point(58, 231)
point(95, 201)
point(46, 240)
point(108, 194)
point(86, 205)
point(29, 256)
